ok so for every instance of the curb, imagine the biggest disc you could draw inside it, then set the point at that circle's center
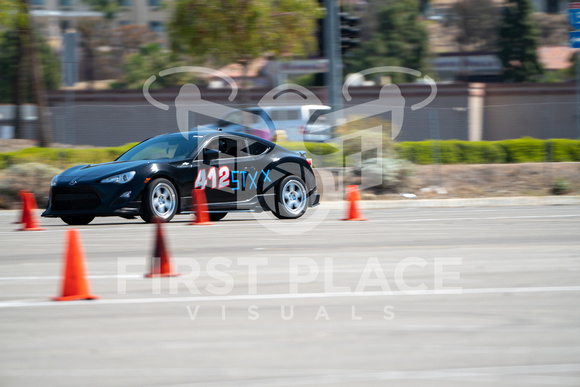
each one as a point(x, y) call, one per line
point(461, 202)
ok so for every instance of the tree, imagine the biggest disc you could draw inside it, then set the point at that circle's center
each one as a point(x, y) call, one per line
point(225, 31)
point(475, 24)
point(518, 43)
point(91, 37)
point(553, 28)
point(109, 8)
point(95, 32)
point(400, 40)
point(130, 38)
point(8, 8)
point(150, 60)
point(8, 70)
point(25, 65)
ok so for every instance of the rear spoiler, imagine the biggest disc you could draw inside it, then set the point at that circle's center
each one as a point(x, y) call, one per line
point(303, 155)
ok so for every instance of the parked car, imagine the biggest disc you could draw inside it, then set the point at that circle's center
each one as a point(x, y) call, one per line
point(155, 179)
point(257, 123)
point(295, 121)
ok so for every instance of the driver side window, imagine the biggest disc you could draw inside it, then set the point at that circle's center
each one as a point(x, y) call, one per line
point(227, 146)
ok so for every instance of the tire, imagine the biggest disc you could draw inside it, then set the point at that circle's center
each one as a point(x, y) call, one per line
point(291, 198)
point(215, 216)
point(160, 200)
point(77, 220)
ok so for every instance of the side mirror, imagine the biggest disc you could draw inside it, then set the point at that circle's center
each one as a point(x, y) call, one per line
point(210, 154)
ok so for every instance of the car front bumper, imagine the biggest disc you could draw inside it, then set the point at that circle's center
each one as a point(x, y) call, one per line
point(93, 200)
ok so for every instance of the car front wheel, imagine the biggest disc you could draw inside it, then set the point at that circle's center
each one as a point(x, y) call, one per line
point(291, 197)
point(159, 201)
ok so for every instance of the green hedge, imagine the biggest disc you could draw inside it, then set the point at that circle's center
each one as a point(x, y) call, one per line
point(61, 157)
point(524, 150)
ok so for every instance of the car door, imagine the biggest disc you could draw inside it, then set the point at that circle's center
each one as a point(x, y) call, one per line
point(180, 151)
point(225, 175)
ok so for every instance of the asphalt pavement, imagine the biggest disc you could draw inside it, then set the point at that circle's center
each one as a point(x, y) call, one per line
point(471, 296)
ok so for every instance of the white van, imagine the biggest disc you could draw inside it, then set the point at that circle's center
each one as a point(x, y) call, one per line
point(293, 120)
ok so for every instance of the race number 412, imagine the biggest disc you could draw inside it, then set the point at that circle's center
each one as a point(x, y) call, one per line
point(214, 178)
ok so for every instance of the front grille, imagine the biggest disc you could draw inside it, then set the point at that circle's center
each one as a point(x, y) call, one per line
point(74, 199)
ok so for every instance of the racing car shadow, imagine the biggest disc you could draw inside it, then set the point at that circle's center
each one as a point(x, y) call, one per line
point(139, 221)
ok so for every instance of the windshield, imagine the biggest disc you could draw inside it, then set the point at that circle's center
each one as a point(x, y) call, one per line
point(174, 146)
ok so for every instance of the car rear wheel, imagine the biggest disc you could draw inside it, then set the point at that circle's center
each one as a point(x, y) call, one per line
point(291, 197)
point(77, 220)
point(159, 201)
point(215, 216)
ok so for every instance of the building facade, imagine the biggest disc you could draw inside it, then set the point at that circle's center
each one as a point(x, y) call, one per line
point(55, 17)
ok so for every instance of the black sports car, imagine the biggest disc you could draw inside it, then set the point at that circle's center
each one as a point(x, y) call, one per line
point(155, 178)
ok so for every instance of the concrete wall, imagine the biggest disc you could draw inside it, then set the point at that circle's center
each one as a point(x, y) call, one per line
point(535, 110)
point(460, 111)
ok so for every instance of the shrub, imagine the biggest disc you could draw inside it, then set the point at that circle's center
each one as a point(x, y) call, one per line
point(61, 157)
point(393, 172)
point(560, 186)
point(448, 152)
point(417, 152)
point(34, 177)
point(562, 150)
point(524, 150)
point(492, 153)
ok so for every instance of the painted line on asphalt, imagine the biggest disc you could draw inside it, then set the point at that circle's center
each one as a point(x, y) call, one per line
point(487, 218)
point(292, 296)
point(51, 278)
point(527, 374)
point(301, 223)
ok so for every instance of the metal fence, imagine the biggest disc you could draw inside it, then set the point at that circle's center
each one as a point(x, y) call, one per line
point(113, 125)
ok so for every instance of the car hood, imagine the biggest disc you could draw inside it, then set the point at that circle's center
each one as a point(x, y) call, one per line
point(99, 171)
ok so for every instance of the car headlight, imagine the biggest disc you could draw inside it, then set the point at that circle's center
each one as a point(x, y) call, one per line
point(54, 181)
point(120, 179)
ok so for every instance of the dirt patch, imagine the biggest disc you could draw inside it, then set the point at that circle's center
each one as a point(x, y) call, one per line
point(15, 144)
point(535, 179)
point(477, 181)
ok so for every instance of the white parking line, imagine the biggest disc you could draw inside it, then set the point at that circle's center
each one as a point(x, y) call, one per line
point(299, 223)
point(555, 374)
point(528, 374)
point(488, 218)
point(51, 278)
point(291, 296)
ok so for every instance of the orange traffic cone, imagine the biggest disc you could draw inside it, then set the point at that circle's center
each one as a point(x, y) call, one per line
point(199, 207)
point(29, 222)
point(74, 285)
point(160, 265)
point(353, 198)
point(22, 196)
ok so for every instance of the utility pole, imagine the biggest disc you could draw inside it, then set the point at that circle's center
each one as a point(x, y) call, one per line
point(20, 79)
point(334, 55)
point(44, 132)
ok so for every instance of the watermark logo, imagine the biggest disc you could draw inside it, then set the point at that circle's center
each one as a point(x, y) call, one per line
point(205, 283)
point(320, 119)
point(221, 276)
